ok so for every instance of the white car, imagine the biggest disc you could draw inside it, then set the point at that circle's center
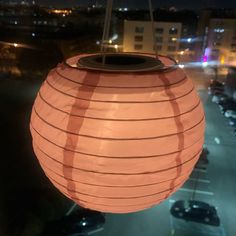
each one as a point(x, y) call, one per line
point(230, 113)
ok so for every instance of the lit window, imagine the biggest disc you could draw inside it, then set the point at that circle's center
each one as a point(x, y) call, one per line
point(138, 46)
point(173, 31)
point(138, 38)
point(159, 30)
point(159, 39)
point(139, 30)
point(171, 48)
point(172, 40)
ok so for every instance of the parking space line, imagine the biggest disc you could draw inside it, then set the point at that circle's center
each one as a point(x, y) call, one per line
point(71, 209)
point(95, 231)
point(199, 170)
point(200, 180)
point(197, 191)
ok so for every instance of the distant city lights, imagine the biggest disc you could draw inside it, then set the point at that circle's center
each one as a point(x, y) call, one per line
point(123, 9)
point(205, 64)
point(189, 40)
point(219, 30)
point(61, 12)
point(15, 45)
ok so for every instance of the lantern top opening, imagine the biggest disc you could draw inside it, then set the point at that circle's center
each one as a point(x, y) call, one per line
point(120, 62)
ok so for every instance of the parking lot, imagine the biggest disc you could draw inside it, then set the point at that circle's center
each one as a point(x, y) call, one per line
point(213, 183)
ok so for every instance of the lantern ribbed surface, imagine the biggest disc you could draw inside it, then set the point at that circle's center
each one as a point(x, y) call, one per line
point(117, 142)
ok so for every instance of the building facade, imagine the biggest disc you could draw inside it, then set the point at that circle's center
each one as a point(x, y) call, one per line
point(138, 37)
point(221, 44)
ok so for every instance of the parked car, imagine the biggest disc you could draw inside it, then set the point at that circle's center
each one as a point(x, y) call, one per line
point(232, 121)
point(215, 87)
point(216, 83)
point(215, 90)
point(217, 98)
point(234, 132)
point(195, 211)
point(203, 157)
point(230, 113)
point(227, 105)
point(80, 222)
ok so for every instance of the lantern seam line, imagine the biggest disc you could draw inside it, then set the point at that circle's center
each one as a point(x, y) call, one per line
point(117, 139)
point(143, 173)
point(132, 102)
point(110, 156)
point(176, 186)
point(112, 206)
point(88, 85)
point(106, 186)
point(127, 174)
point(122, 120)
point(146, 205)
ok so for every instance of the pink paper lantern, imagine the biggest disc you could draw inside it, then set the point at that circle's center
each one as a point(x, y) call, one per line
point(117, 142)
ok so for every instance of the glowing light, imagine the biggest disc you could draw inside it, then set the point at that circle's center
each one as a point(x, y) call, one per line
point(189, 40)
point(222, 60)
point(98, 42)
point(115, 36)
point(110, 41)
point(62, 12)
point(33, 34)
point(182, 53)
point(116, 46)
point(219, 30)
point(174, 39)
point(84, 223)
point(181, 66)
point(205, 58)
point(15, 45)
point(205, 64)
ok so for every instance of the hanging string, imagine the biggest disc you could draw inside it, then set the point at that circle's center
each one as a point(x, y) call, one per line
point(153, 27)
point(106, 30)
point(107, 24)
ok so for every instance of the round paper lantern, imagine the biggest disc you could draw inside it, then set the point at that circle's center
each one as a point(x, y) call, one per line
point(116, 140)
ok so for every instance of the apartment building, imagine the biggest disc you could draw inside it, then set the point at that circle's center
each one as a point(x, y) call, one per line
point(222, 40)
point(138, 37)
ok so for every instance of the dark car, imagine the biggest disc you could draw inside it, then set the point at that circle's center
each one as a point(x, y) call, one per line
point(80, 222)
point(195, 211)
point(203, 157)
point(227, 105)
point(232, 121)
point(216, 83)
point(215, 87)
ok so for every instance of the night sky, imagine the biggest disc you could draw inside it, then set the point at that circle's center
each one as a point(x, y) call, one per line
point(142, 3)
